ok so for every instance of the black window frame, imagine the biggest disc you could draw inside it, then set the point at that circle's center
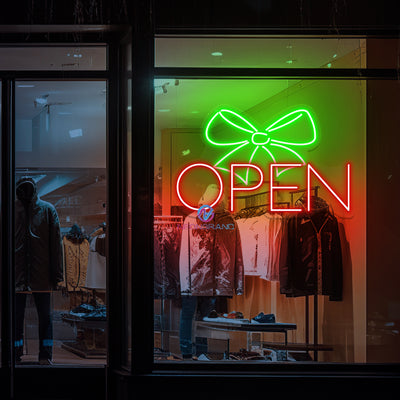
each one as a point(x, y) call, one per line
point(52, 377)
point(226, 374)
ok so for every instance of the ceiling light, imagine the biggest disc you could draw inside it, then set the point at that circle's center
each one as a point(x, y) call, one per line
point(164, 110)
point(289, 62)
point(73, 133)
point(216, 54)
point(25, 86)
point(41, 100)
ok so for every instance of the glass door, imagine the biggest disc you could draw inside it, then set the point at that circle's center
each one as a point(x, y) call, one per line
point(60, 222)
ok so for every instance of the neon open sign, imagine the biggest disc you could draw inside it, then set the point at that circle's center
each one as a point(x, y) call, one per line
point(272, 189)
point(251, 142)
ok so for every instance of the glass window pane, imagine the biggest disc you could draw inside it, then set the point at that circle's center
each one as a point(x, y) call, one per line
point(260, 52)
point(60, 144)
point(229, 282)
point(53, 58)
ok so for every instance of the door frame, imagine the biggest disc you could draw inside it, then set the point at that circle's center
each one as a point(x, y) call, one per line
point(81, 379)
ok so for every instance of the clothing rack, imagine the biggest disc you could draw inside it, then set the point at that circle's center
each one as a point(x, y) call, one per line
point(162, 221)
point(307, 303)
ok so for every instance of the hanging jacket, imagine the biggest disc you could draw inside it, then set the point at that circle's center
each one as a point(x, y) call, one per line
point(313, 257)
point(38, 247)
point(211, 262)
point(76, 255)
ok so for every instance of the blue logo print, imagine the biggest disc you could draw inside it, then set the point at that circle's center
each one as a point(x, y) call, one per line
point(205, 213)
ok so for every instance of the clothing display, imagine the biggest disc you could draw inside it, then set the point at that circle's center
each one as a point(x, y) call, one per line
point(38, 247)
point(261, 238)
point(294, 254)
point(211, 262)
point(96, 276)
point(312, 262)
point(76, 255)
point(38, 263)
point(167, 241)
point(249, 236)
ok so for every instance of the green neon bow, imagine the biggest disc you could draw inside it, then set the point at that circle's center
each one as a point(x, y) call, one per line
point(250, 144)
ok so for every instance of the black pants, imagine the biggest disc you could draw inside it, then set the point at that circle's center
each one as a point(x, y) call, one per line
point(43, 307)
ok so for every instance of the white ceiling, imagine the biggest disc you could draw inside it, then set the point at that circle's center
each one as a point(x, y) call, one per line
point(252, 52)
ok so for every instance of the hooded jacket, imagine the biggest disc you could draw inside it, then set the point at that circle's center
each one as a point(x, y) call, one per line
point(211, 262)
point(38, 246)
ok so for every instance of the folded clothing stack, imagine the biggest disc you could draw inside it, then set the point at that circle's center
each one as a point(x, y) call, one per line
point(89, 312)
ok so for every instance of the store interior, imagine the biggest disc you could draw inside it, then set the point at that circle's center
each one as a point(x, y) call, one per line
point(316, 327)
point(60, 141)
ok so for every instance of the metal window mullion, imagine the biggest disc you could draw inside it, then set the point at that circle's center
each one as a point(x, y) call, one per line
point(7, 230)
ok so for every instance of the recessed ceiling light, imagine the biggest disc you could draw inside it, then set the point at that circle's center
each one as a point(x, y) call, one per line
point(216, 54)
point(334, 56)
point(164, 110)
point(73, 133)
point(25, 86)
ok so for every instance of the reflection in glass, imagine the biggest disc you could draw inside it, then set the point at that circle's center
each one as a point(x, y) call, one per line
point(60, 222)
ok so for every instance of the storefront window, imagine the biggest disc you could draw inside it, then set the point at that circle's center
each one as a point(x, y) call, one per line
point(260, 273)
point(60, 222)
point(54, 58)
point(261, 52)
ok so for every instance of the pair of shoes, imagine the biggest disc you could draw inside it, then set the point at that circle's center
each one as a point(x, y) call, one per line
point(45, 361)
point(264, 318)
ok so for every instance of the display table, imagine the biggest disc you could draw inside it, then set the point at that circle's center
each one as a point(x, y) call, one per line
point(245, 325)
point(87, 347)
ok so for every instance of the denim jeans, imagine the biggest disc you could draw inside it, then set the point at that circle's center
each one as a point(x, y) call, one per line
point(192, 305)
point(43, 307)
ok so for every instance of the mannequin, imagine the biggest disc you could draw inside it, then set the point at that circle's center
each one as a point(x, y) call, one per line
point(210, 265)
point(38, 263)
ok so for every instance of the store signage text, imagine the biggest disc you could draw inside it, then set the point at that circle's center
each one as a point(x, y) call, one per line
point(343, 200)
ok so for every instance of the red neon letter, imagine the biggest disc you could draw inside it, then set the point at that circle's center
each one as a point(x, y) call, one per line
point(244, 188)
point(272, 187)
point(221, 185)
point(309, 169)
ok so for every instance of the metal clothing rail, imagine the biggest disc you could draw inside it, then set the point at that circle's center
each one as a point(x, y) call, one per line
point(307, 303)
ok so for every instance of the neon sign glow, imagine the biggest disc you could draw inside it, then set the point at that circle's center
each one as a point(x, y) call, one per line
point(268, 142)
point(273, 187)
point(252, 141)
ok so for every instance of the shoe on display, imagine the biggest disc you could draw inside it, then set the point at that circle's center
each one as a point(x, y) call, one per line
point(213, 314)
point(262, 318)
